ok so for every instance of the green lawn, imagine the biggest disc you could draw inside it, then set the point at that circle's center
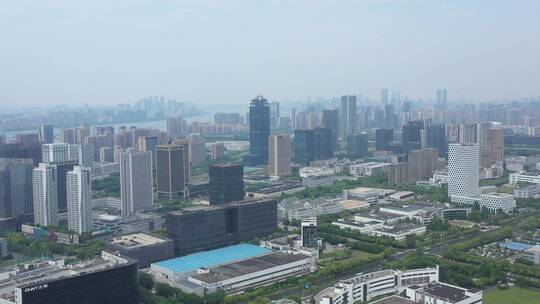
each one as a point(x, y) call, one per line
point(514, 295)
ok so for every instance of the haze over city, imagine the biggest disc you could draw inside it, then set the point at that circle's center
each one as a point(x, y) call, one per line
point(215, 52)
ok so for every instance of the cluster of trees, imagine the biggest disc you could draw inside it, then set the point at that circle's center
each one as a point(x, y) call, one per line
point(109, 186)
point(334, 230)
point(44, 247)
point(486, 238)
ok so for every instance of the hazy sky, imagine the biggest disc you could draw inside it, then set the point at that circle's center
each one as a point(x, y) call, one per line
point(212, 51)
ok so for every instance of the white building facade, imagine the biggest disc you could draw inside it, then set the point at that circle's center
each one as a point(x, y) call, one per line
point(44, 184)
point(79, 199)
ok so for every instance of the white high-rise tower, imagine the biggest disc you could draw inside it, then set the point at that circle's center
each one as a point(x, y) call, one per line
point(463, 173)
point(44, 184)
point(79, 199)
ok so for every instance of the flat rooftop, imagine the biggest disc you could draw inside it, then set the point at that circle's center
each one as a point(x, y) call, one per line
point(406, 208)
point(394, 300)
point(369, 276)
point(213, 258)
point(136, 240)
point(444, 292)
point(245, 267)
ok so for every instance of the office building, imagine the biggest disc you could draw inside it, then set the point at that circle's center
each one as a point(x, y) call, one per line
point(311, 145)
point(442, 99)
point(365, 286)
point(184, 143)
point(495, 202)
point(411, 138)
point(62, 169)
point(308, 233)
point(330, 120)
point(79, 199)
point(46, 134)
point(27, 138)
point(197, 150)
point(148, 144)
point(14, 150)
point(170, 171)
point(226, 183)
point(357, 145)
point(106, 155)
point(383, 137)
point(57, 152)
point(176, 126)
point(398, 174)
point(437, 292)
point(533, 254)
point(463, 173)
point(208, 227)
point(384, 96)
point(422, 164)
point(436, 138)
point(15, 187)
point(274, 115)
point(347, 116)
point(108, 278)
point(136, 182)
point(467, 133)
point(259, 130)
point(279, 163)
point(144, 247)
point(496, 144)
point(217, 151)
point(83, 154)
point(44, 190)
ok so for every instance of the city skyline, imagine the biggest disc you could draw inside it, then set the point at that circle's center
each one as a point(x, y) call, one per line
point(91, 53)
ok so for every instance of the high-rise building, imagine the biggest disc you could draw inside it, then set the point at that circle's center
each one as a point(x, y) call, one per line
point(442, 99)
point(62, 169)
point(83, 154)
point(148, 144)
point(330, 119)
point(79, 199)
point(435, 138)
point(390, 116)
point(44, 190)
point(357, 145)
point(184, 143)
point(384, 96)
point(136, 184)
point(285, 124)
point(467, 133)
point(46, 134)
point(383, 137)
point(293, 118)
point(197, 149)
point(308, 233)
point(176, 126)
point(106, 155)
point(81, 133)
point(347, 116)
point(170, 171)
point(274, 115)
point(67, 136)
point(312, 144)
point(226, 183)
point(57, 152)
point(279, 163)
point(496, 144)
point(217, 151)
point(422, 163)
point(463, 172)
point(15, 187)
point(411, 135)
point(398, 173)
point(27, 138)
point(259, 130)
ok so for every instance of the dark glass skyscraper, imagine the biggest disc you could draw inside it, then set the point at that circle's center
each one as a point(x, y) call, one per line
point(330, 120)
point(411, 139)
point(382, 139)
point(312, 144)
point(436, 138)
point(357, 145)
point(259, 130)
point(226, 183)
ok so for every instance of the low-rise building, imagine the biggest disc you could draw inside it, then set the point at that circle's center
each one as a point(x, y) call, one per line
point(526, 190)
point(533, 254)
point(143, 247)
point(364, 287)
point(514, 178)
point(369, 169)
point(443, 293)
point(318, 181)
point(498, 201)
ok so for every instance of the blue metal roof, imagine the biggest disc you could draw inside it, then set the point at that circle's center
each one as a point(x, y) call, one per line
point(517, 246)
point(212, 258)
